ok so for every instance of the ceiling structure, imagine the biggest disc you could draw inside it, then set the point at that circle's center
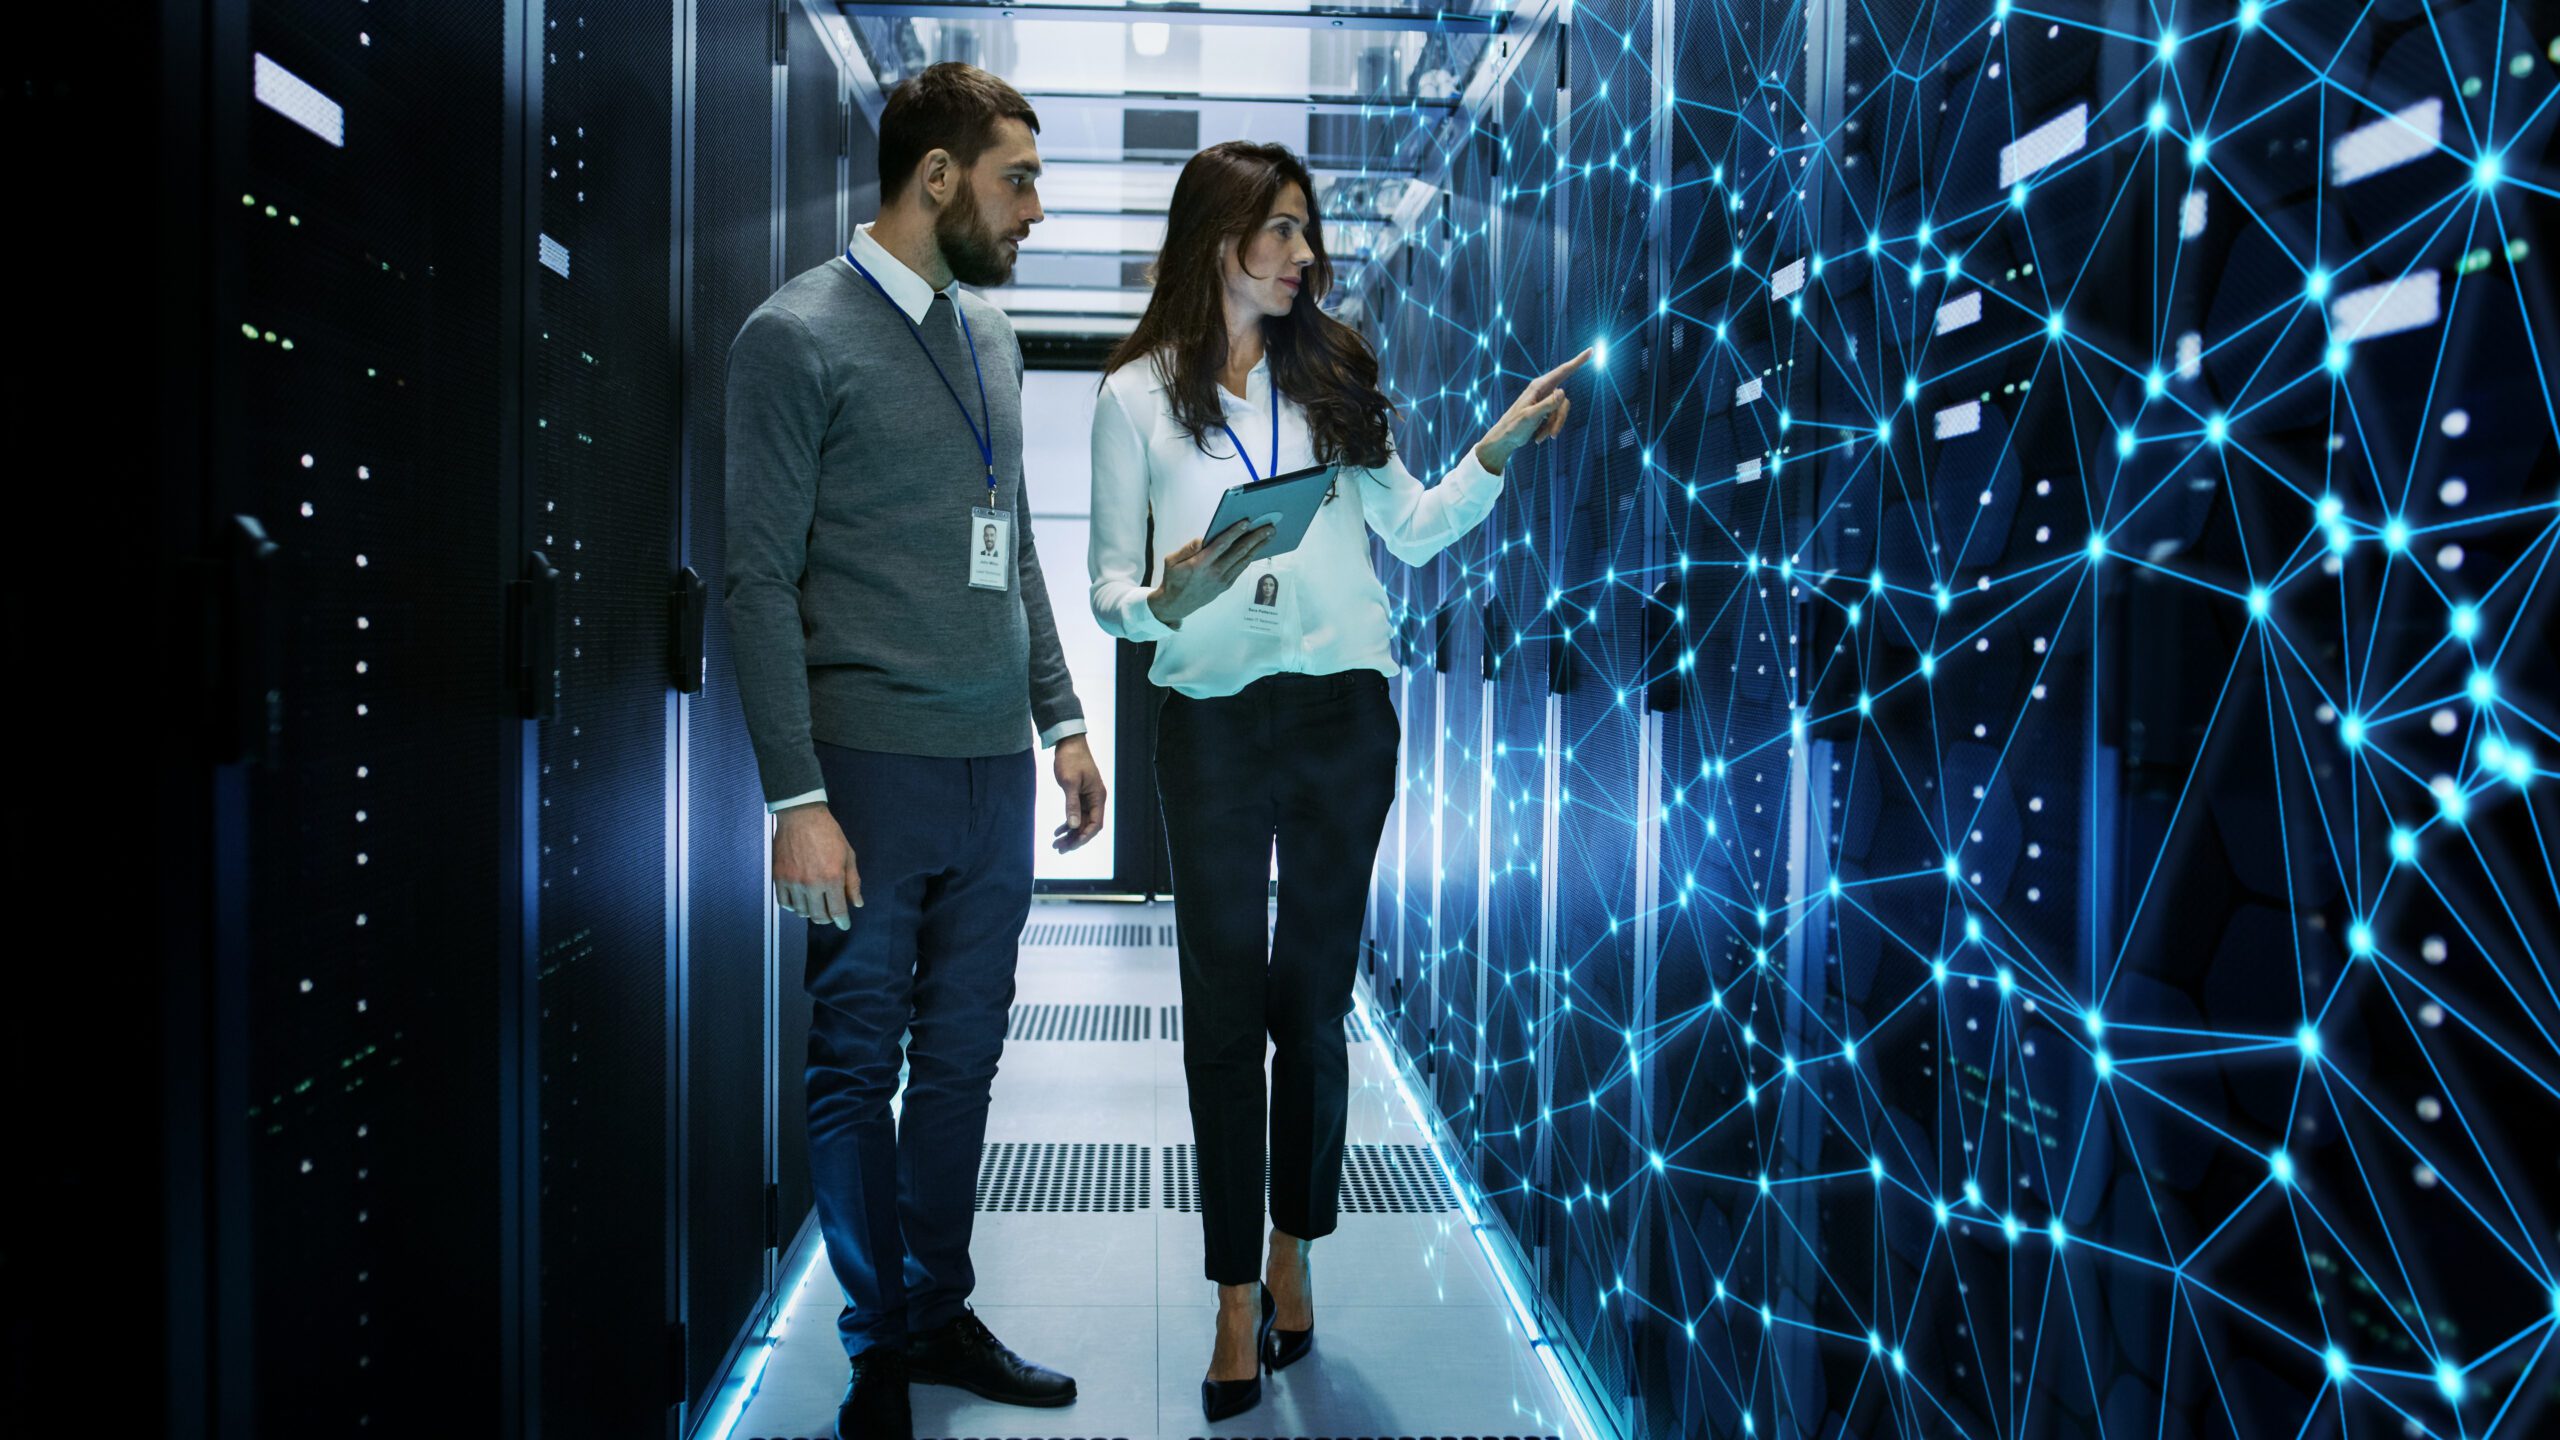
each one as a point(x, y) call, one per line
point(1127, 92)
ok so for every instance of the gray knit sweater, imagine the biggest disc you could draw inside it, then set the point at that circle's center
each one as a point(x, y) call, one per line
point(850, 481)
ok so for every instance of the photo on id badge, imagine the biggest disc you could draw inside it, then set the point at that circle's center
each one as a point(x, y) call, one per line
point(990, 549)
point(1262, 616)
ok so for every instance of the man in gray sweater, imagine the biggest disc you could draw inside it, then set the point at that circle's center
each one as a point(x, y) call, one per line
point(895, 658)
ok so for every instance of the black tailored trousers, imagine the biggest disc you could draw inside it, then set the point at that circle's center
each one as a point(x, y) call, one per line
point(1307, 762)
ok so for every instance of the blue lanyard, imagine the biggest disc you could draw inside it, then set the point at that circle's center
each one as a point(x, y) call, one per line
point(1275, 435)
point(985, 437)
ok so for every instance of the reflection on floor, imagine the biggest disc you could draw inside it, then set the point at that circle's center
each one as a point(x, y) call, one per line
point(1414, 1334)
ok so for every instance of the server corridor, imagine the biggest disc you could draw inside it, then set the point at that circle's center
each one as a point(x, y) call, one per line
point(1088, 1240)
point(1965, 592)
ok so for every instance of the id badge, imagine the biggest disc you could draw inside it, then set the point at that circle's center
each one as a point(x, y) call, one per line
point(990, 548)
point(1262, 605)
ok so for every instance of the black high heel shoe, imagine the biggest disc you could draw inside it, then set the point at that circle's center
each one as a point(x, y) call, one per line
point(1284, 1348)
point(1222, 1398)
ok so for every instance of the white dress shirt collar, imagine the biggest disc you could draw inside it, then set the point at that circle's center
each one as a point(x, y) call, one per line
point(909, 291)
point(1261, 372)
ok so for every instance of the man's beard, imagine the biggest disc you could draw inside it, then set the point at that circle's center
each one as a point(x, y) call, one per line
point(974, 254)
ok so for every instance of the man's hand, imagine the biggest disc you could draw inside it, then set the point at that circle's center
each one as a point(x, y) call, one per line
point(813, 869)
point(1081, 779)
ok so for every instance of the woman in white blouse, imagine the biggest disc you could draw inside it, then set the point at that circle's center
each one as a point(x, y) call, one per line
point(1275, 723)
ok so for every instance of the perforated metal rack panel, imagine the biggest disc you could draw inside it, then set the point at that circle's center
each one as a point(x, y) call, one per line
point(355, 412)
point(726, 1016)
point(602, 471)
point(815, 131)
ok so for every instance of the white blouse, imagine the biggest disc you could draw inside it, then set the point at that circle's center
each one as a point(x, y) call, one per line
point(1329, 612)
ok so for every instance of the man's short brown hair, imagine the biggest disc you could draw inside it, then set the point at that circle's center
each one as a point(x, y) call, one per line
point(951, 106)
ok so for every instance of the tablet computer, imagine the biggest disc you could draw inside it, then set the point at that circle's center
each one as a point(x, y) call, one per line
point(1287, 503)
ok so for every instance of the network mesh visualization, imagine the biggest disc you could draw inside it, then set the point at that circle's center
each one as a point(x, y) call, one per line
point(1975, 851)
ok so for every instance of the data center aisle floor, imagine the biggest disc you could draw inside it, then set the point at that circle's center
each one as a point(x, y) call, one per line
point(1413, 1334)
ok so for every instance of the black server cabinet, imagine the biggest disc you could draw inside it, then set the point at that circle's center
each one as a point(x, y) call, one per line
point(474, 1033)
point(355, 243)
point(602, 470)
point(739, 1206)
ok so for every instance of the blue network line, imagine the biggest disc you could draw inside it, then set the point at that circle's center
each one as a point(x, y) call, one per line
point(2028, 905)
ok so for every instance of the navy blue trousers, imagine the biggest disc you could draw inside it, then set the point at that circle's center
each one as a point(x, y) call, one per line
point(944, 849)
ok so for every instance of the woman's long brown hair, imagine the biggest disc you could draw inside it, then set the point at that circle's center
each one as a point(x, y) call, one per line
point(1316, 360)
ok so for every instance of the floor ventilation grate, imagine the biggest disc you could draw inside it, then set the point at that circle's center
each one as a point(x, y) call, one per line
point(1376, 1180)
point(1172, 1019)
point(1096, 933)
point(1077, 1022)
point(1393, 1180)
point(1014, 1176)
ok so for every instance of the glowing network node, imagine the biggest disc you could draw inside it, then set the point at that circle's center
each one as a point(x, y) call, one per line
point(2487, 171)
point(2307, 1040)
point(2337, 1359)
point(2103, 1063)
point(2280, 1168)
point(2215, 428)
point(2404, 847)
point(2360, 938)
point(2464, 620)
point(2258, 602)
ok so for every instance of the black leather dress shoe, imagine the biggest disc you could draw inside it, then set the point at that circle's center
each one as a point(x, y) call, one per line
point(875, 1402)
point(965, 1353)
point(1222, 1398)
